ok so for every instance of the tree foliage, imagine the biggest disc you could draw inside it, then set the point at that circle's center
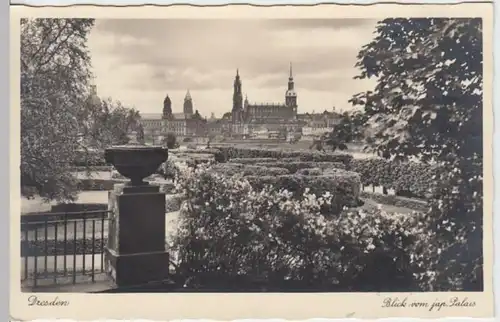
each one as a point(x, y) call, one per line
point(111, 123)
point(346, 131)
point(428, 104)
point(62, 119)
point(55, 83)
point(170, 141)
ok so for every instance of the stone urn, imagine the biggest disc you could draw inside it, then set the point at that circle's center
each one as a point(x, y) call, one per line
point(136, 162)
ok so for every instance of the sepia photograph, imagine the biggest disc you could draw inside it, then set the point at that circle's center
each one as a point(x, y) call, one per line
point(255, 155)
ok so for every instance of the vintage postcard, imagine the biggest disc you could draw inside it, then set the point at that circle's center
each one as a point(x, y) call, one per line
point(240, 161)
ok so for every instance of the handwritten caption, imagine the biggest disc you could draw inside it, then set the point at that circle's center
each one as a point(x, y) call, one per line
point(436, 305)
point(34, 300)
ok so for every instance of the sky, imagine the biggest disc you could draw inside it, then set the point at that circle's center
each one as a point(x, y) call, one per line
point(140, 61)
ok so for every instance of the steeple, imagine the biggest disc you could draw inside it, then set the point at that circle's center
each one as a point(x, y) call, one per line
point(237, 98)
point(167, 108)
point(188, 104)
point(291, 95)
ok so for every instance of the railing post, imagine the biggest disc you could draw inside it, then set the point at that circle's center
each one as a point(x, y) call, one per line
point(55, 251)
point(35, 268)
point(45, 246)
point(93, 249)
point(65, 246)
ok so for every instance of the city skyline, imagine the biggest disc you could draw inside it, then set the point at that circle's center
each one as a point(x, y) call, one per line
point(138, 62)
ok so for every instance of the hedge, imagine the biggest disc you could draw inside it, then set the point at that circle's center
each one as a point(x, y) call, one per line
point(293, 167)
point(106, 184)
point(343, 185)
point(93, 168)
point(248, 170)
point(99, 184)
point(418, 178)
point(414, 204)
point(310, 172)
point(196, 151)
point(227, 153)
point(252, 160)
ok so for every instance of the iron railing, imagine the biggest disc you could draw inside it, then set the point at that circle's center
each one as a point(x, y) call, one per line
point(63, 248)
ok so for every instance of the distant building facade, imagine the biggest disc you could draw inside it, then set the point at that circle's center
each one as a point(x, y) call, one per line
point(256, 114)
point(316, 124)
point(185, 124)
point(246, 120)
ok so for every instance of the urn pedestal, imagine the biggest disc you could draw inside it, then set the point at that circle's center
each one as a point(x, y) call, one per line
point(135, 253)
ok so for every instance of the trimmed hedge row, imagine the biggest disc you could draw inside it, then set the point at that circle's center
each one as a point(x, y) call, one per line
point(310, 172)
point(227, 153)
point(99, 184)
point(94, 168)
point(417, 178)
point(252, 160)
point(195, 155)
point(343, 185)
point(196, 151)
point(231, 169)
point(414, 204)
point(107, 184)
point(293, 167)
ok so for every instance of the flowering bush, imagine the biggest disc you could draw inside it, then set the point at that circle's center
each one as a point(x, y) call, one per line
point(173, 202)
point(169, 170)
point(232, 233)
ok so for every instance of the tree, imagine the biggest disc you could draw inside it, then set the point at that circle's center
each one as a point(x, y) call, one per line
point(55, 83)
point(346, 131)
point(112, 122)
point(428, 103)
point(140, 134)
point(170, 141)
point(318, 145)
point(211, 137)
point(134, 120)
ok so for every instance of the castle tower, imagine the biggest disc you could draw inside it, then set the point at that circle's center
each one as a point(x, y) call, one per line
point(237, 99)
point(246, 102)
point(291, 95)
point(167, 108)
point(188, 104)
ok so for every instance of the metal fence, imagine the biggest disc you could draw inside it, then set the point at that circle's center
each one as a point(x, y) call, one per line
point(63, 248)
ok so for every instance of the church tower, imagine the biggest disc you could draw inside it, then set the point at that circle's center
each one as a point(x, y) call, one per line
point(167, 108)
point(291, 95)
point(188, 104)
point(237, 110)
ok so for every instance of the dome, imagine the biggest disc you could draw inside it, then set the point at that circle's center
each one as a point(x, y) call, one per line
point(291, 92)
